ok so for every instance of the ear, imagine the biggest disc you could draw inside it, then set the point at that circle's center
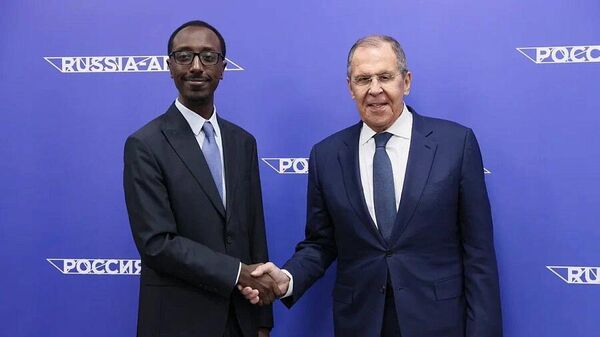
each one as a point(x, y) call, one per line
point(350, 87)
point(169, 67)
point(223, 70)
point(407, 81)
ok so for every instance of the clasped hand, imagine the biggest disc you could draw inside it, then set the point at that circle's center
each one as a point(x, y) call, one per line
point(262, 283)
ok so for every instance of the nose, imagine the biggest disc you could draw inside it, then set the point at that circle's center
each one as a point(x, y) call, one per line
point(196, 64)
point(375, 87)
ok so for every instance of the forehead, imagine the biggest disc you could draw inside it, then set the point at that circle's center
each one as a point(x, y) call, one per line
point(196, 38)
point(369, 59)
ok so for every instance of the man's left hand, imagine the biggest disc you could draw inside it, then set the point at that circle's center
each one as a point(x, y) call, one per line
point(263, 332)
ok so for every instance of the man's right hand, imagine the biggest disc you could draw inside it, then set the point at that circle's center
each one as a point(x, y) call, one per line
point(268, 269)
point(263, 288)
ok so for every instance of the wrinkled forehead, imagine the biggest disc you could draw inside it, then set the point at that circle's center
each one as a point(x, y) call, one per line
point(373, 59)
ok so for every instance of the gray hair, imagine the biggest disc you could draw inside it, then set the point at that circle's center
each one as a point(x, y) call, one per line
point(376, 41)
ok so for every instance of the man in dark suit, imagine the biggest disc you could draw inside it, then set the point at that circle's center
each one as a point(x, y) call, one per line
point(194, 201)
point(400, 200)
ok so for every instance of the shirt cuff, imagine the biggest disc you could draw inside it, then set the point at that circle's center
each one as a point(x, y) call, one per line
point(238, 275)
point(290, 286)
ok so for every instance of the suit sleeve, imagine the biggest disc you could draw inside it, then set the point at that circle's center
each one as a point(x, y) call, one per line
point(318, 250)
point(258, 239)
point(155, 231)
point(484, 317)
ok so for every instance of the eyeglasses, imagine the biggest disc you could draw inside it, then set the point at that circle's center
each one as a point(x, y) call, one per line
point(365, 80)
point(186, 57)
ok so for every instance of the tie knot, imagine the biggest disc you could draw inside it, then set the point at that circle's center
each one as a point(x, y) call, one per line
point(209, 131)
point(381, 139)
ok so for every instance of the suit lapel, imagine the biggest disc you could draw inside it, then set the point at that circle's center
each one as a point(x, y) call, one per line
point(230, 149)
point(180, 136)
point(349, 162)
point(420, 159)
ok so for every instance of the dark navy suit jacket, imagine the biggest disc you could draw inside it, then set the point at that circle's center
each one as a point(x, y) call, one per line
point(441, 258)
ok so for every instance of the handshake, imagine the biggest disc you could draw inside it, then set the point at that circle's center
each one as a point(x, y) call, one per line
point(262, 283)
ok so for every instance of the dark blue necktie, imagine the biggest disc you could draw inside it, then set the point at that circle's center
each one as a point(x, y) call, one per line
point(212, 156)
point(384, 196)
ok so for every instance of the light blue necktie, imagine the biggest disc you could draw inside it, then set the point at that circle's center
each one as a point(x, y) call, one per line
point(212, 156)
point(384, 196)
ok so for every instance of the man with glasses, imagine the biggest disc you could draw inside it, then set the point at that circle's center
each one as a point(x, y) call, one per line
point(400, 200)
point(194, 200)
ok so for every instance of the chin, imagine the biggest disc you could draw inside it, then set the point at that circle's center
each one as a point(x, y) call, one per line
point(381, 120)
point(379, 124)
point(197, 97)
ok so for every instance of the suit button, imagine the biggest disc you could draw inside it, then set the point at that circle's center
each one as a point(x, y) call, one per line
point(382, 290)
point(388, 253)
point(228, 240)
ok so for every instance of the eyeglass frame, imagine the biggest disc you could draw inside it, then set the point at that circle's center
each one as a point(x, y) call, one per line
point(172, 54)
point(378, 77)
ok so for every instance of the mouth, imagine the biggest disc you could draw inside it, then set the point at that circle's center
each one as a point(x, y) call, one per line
point(197, 80)
point(377, 105)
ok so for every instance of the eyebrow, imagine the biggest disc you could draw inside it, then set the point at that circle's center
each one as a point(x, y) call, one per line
point(377, 74)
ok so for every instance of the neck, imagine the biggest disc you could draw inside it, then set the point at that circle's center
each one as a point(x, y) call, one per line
point(203, 107)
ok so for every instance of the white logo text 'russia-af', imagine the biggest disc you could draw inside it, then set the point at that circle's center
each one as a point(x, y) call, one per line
point(117, 64)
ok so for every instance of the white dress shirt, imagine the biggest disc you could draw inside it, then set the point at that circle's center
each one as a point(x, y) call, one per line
point(196, 123)
point(397, 149)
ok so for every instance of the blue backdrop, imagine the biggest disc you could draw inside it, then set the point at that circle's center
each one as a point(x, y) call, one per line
point(523, 74)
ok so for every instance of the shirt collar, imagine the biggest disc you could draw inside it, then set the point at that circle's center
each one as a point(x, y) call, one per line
point(402, 127)
point(196, 121)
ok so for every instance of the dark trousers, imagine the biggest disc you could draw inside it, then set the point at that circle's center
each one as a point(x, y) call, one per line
point(390, 327)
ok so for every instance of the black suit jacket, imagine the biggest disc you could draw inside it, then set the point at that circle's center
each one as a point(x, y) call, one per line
point(190, 245)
